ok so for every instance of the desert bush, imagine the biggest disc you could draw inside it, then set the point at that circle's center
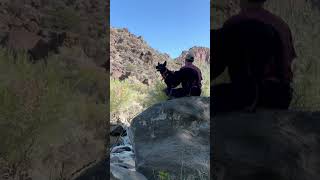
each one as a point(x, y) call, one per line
point(121, 95)
point(42, 105)
point(155, 93)
point(126, 100)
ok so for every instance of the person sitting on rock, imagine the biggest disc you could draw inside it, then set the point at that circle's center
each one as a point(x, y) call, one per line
point(189, 76)
point(256, 47)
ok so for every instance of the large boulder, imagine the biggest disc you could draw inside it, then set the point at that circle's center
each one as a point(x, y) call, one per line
point(94, 171)
point(277, 145)
point(172, 139)
point(120, 173)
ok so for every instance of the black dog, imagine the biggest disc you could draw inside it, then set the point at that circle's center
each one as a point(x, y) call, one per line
point(186, 76)
point(168, 76)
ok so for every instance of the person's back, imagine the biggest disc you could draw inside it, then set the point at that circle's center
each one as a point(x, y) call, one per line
point(264, 16)
point(191, 79)
point(189, 76)
point(256, 46)
point(252, 49)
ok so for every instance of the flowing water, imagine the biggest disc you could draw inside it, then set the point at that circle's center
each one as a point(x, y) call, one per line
point(121, 153)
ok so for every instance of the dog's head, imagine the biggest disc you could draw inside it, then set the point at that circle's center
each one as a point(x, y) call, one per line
point(161, 67)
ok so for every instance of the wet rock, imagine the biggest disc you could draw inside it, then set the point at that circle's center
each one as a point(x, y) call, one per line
point(120, 149)
point(118, 131)
point(125, 157)
point(124, 165)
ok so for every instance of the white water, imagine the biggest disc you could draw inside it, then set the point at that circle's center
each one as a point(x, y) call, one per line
point(121, 157)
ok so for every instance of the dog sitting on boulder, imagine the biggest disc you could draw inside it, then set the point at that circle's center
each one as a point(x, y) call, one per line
point(188, 76)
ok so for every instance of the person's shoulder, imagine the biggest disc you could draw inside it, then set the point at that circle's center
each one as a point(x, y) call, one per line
point(233, 19)
point(277, 19)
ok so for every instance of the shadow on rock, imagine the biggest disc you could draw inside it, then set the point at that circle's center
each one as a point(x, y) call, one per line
point(277, 145)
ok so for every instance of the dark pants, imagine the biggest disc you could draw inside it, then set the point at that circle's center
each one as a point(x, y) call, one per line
point(182, 92)
point(232, 97)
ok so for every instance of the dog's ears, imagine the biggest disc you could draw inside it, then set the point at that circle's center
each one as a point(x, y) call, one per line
point(158, 63)
point(165, 63)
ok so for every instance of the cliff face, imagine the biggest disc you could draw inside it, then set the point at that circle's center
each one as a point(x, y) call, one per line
point(201, 54)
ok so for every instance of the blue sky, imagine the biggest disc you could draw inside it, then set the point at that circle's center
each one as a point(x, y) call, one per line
point(169, 26)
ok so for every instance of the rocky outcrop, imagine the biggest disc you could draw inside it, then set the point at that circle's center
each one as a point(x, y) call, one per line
point(37, 46)
point(201, 55)
point(131, 56)
point(280, 145)
point(172, 138)
point(82, 21)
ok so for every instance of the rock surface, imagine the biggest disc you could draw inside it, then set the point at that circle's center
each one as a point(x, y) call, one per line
point(173, 137)
point(95, 171)
point(119, 173)
point(279, 145)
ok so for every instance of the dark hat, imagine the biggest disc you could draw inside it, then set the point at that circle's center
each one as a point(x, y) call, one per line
point(189, 58)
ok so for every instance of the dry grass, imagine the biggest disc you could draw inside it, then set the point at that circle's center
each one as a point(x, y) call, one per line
point(52, 118)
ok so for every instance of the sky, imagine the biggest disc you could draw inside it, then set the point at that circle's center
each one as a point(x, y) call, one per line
point(169, 26)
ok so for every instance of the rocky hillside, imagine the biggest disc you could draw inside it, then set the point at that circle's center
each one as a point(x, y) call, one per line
point(82, 22)
point(201, 54)
point(68, 92)
point(130, 55)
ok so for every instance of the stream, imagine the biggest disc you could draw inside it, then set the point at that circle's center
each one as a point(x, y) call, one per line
point(121, 153)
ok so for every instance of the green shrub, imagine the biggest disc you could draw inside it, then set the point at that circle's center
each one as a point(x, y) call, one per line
point(155, 94)
point(42, 105)
point(121, 95)
point(163, 175)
